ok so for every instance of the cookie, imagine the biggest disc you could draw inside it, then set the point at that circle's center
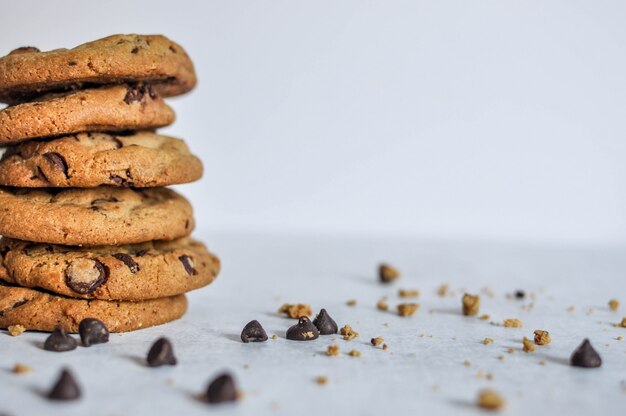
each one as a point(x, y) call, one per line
point(115, 108)
point(87, 160)
point(41, 311)
point(95, 216)
point(131, 272)
point(27, 72)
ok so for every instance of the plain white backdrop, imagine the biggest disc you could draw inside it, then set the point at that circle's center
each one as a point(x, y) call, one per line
point(455, 119)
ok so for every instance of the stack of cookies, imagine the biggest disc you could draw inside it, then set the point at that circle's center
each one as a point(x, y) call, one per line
point(88, 228)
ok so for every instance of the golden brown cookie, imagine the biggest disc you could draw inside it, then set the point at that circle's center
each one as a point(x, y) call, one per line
point(95, 216)
point(41, 311)
point(85, 160)
point(27, 72)
point(132, 272)
point(112, 108)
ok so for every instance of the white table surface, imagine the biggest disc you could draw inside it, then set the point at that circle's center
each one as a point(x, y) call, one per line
point(417, 375)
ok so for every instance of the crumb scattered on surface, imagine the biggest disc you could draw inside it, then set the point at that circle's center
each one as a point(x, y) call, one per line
point(387, 273)
point(407, 309)
point(16, 330)
point(354, 353)
point(321, 380)
point(487, 341)
point(377, 341)
point(510, 350)
point(512, 323)
point(529, 346)
point(382, 305)
point(489, 376)
point(484, 317)
point(20, 368)
point(490, 399)
point(408, 293)
point(385, 346)
point(619, 338)
point(467, 363)
point(571, 309)
point(542, 337)
point(614, 304)
point(296, 310)
point(348, 333)
point(351, 302)
point(501, 357)
point(274, 336)
point(542, 362)
point(623, 323)
point(471, 304)
point(333, 350)
point(443, 290)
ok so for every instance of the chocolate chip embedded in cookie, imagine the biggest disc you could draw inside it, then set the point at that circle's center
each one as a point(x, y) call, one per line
point(87, 160)
point(97, 216)
point(110, 108)
point(130, 272)
point(42, 311)
point(27, 72)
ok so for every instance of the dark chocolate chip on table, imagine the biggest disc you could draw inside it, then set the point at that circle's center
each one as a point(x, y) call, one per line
point(92, 331)
point(66, 387)
point(59, 341)
point(304, 330)
point(325, 324)
point(585, 356)
point(161, 353)
point(387, 273)
point(520, 294)
point(253, 332)
point(222, 389)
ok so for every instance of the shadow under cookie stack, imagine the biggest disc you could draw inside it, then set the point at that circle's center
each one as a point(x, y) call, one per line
point(88, 228)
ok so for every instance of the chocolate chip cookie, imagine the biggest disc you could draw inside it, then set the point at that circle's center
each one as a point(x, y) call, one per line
point(95, 216)
point(131, 272)
point(27, 72)
point(41, 311)
point(85, 160)
point(112, 108)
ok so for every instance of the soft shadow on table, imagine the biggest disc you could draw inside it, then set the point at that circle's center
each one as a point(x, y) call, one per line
point(233, 337)
point(368, 280)
point(37, 344)
point(465, 404)
point(137, 360)
point(448, 311)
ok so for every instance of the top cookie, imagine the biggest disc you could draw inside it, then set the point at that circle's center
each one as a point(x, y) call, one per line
point(27, 72)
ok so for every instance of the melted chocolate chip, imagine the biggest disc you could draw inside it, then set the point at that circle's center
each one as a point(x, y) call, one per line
point(121, 181)
point(187, 262)
point(57, 160)
point(65, 388)
point(59, 341)
point(161, 353)
point(127, 260)
point(138, 92)
point(304, 330)
point(15, 305)
point(253, 332)
point(585, 356)
point(92, 331)
point(118, 142)
point(40, 175)
point(325, 324)
point(222, 389)
point(134, 50)
point(86, 275)
point(72, 63)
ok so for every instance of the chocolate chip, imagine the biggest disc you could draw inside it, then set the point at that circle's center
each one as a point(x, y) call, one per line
point(520, 294)
point(121, 181)
point(40, 175)
point(134, 50)
point(66, 388)
point(161, 353)
point(173, 49)
point(222, 389)
point(15, 305)
point(253, 332)
point(103, 200)
point(138, 92)
point(304, 330)
point(140, 253)
point(187, 262)
point(585, 356)
point(86, 275)
point(59, 341)
point(24, 49)
point(325, 324)
point(128, 261)
point(72, 63)
point(387, 273)
point(57, 160)
point(118, 142)
point(92, 331)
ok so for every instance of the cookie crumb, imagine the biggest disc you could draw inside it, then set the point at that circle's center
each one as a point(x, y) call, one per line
point(512, 323)
point(443, 290)
point(354, 353)
point(542, 337)
point(348, 333)
point(528, 345)
point(321, 380)
point(20, 368)
point(382, 305)
point(542, 362)
point(296, 310)
point(377, 341)
point(407, 309)
point(467, 363)
point(471, 304)
point(16, 330)
point(387, 273)
point(274, 336)
point(619, 338)
point(614, 304)
point(385, 346)
point(501, 357)
point(408, 293)
point(622, 324)
point(487, 341)
point(351, 302)
point(571, 309)
point(489, 376)
point(489, 399)
point(333, 350)
point(484, 317)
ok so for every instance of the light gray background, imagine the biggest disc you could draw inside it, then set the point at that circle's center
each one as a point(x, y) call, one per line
point(471, 119)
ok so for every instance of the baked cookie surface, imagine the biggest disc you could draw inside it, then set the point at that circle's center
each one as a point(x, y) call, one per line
point(95, 216)
point(27, 72)
point(41, 311)
point(111, 108)
point(131, 272)
point(86, 160)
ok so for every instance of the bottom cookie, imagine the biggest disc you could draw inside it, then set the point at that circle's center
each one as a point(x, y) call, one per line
point(41, 311)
